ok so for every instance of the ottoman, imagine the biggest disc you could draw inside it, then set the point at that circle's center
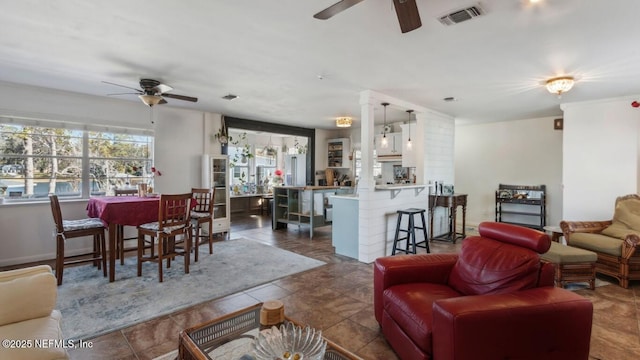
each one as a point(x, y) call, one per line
point(572, 264)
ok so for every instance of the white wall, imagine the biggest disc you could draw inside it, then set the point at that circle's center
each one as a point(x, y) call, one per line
point(178, 150)
point(521, 152)
point(600, 156)
point(182, 136)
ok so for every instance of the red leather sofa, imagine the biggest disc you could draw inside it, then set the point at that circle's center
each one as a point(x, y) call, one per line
point(493, 300)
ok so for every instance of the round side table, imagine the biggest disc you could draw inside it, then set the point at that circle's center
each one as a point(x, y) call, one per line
point(556, 232)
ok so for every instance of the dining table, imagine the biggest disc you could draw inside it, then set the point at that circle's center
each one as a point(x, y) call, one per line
point(122, 210)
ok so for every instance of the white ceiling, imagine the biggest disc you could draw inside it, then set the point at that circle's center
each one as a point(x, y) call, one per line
point(272, 52)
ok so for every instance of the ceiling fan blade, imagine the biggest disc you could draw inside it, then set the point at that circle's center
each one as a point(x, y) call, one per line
point(124, 86)
point(408, 15)
point(335, 9)
point(129, 93)
point(162, 88)
point(181, 97)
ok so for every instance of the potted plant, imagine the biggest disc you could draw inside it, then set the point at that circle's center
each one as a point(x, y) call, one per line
point(245, 154)
point(277, 178)
point(300, 149)
point(223, 137)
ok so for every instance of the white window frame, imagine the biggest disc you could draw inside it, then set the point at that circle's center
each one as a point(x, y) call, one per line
point(85, 158)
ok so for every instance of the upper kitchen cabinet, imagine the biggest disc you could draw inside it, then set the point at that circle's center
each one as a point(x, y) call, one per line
point(393, 148)
point(338, 151)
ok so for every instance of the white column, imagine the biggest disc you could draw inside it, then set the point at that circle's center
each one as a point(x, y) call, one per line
point(366, 143)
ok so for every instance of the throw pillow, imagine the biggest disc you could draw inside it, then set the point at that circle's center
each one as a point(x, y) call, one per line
point(628, 213)
point(619, 230)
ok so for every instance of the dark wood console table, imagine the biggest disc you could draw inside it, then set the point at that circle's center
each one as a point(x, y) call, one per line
point(451, 202)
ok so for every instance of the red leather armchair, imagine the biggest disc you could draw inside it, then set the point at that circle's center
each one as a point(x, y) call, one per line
point(493, 300)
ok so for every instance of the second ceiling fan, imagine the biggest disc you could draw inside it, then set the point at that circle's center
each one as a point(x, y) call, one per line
point(407, 12)
point(152, 92)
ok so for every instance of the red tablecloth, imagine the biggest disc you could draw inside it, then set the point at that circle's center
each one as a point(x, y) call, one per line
point(124, 210)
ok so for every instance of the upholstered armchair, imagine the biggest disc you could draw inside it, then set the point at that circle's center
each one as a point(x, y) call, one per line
point(616, 241)
point(493, 300)
point(27, 301)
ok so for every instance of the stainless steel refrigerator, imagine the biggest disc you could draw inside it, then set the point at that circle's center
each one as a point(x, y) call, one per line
point(295, 170)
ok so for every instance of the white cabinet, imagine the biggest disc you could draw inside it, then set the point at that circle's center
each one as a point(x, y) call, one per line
point(216, 169)
point(394, 145)
point(338, 151)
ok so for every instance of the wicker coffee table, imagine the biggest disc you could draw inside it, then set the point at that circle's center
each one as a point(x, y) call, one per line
point(230, 336)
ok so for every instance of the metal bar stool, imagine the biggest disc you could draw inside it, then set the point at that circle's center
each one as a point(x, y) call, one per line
point(411, 232)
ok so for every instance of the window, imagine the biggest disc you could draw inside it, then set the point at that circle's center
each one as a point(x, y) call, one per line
point(251, 164)
point(240, 165)
point(36, 160)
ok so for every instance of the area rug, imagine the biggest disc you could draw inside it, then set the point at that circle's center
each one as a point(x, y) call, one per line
point(91, 306)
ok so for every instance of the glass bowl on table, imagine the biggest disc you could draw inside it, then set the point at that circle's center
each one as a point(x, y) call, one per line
point(290, 342)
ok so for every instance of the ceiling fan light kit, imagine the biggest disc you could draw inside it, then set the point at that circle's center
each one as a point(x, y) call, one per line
point(560, 85)
point(150, 100)
point(344, 122)
point(153, 92)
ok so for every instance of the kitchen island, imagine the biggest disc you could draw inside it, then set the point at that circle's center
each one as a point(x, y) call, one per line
point(301, 205)
point(344, 234)
point(364, 224)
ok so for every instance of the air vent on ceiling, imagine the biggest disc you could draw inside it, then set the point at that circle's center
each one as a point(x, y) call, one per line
point(461, 15)
point(230, 97)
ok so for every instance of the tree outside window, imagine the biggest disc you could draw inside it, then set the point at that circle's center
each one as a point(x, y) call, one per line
point(36, 161)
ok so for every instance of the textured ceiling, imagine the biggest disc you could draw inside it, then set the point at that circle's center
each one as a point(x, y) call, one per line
point(290, 68)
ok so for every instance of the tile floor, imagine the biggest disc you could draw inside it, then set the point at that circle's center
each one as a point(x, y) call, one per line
point(337, 298)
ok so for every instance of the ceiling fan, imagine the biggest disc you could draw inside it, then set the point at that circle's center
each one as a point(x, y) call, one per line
point(152, 92)
point(407, 12)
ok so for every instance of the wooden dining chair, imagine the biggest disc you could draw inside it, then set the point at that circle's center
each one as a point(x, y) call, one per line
point(68, 229)
point(172, 233)
point(202, 213)
point(120, 239)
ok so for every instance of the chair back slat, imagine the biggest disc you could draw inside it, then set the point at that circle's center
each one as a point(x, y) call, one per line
point(203, 199)
point(174, 210)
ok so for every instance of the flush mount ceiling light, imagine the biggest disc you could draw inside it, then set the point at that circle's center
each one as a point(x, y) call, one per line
point(344, 121)
point(150, 100)
point(560, 85)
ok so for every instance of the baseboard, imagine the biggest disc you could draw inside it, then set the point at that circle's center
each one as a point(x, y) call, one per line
point(39, 258)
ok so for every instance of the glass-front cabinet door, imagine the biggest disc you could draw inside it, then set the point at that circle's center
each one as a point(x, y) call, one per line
point(219, 165)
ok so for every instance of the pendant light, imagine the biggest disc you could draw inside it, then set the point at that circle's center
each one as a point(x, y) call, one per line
point(385, 142)
point(409, 139)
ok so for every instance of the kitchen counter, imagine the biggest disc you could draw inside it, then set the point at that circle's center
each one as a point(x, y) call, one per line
point(301, 205)
point(344, 232)
point(396, 188)
point(345, 196)
point(246, 195)
point(245, 203)
point(309, 187)
point(399, 186)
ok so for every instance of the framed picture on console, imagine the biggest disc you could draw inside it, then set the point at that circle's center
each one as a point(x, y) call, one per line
point(447, 189)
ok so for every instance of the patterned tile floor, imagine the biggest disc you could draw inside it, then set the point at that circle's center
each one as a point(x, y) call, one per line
point(337, 298)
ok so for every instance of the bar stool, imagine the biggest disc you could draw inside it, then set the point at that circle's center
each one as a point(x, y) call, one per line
point(411, 231)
